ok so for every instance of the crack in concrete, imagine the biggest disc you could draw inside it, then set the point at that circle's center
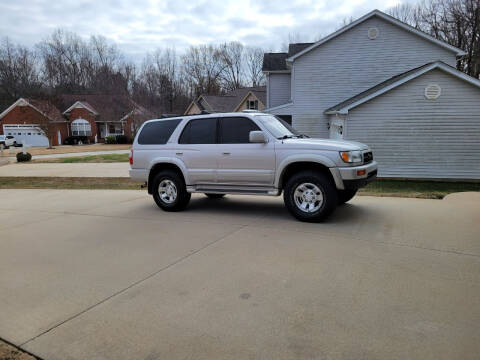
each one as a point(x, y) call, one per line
point(166, 267)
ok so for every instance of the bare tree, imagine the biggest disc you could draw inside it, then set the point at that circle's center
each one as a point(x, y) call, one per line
point(18, 73)
point(405, 12)
point(231, 59)
point(456, 22)
point(202, 68)
point(253, 60)
point(66, 61)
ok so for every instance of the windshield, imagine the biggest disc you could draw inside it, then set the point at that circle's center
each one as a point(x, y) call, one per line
point(278, 127)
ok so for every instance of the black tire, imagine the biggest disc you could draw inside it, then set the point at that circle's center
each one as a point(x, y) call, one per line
point(215, 196)
point(326, 187)
point(346, 195)
point(182, 196)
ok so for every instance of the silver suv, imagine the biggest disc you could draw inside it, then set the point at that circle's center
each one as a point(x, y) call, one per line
point(248, 153)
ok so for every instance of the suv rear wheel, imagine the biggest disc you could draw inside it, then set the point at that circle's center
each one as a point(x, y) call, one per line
point(310, 196)
point(170, 192)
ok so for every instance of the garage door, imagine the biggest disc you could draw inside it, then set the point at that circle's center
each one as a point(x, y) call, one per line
point(32, 135)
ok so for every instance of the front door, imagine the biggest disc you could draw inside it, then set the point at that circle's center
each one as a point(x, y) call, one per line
point(102, 130)
point(337, 128)
point(239, 161)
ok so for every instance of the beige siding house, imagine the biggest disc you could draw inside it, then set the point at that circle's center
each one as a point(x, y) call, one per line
point(250, 98)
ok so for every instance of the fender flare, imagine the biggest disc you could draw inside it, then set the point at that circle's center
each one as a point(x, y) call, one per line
point(169, 160)
point(314, 158)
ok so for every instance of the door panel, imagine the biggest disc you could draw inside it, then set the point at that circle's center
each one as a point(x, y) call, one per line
point(246, 164)
point(197, 148)
point(241, 162)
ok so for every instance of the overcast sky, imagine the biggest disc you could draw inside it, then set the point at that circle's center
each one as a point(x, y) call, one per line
point(139, 26)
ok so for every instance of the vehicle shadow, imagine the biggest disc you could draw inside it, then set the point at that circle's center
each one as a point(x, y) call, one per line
point(271, 208)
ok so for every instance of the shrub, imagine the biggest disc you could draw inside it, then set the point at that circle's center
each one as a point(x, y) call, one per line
point(110, 140)
point(122, 139)
point(21, 157)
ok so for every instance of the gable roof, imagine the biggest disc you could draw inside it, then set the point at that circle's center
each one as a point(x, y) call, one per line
point(107, 107)
point(44, 107)
point(139, 112)
point(295, 48)
point(395, 81)
point(230, 101)
point(387, 18)
point(83, 104)
point(194, 102)
point(274, 62)
point(261, 96)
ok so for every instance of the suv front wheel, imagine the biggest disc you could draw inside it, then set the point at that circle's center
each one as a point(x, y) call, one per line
point(170, 192)
point(310, 196)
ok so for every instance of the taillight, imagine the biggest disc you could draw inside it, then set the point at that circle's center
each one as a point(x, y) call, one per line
point(130, 158)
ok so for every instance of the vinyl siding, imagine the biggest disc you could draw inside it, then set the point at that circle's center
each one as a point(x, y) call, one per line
point(418, 138)
point(352, 63)
point(279, 89)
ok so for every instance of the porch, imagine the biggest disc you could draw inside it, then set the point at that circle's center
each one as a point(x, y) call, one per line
point(110, 128)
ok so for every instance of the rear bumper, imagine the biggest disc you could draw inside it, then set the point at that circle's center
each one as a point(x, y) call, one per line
point(138, 174)
point(353, 181)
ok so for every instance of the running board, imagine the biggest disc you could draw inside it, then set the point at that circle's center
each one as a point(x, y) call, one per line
point(223, 190)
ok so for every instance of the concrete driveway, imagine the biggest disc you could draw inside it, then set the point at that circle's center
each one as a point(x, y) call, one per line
point(106, 275)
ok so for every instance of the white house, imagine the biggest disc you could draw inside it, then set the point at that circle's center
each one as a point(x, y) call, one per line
point(382, 82)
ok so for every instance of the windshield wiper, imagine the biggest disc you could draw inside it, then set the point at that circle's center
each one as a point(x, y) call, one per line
point(300, 136)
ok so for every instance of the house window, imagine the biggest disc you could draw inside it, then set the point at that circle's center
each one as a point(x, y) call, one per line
point(252, 104)
point(81, 127)
point(111, 128)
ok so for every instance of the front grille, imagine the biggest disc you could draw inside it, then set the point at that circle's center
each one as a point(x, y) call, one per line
point(367, 157)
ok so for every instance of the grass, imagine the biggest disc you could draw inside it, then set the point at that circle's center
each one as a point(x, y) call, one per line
point(89, 183)
point(10, 352)
point(396, 188)
point(417, 188)
point(103, 158)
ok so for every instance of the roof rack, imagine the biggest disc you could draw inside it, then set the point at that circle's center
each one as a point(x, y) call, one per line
point(251, 111)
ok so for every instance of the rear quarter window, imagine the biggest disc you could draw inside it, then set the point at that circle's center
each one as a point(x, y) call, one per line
point(157, 132)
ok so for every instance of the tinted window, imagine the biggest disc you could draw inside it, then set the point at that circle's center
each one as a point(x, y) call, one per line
point(199, 131)
point(236, 130)
point(157, 132)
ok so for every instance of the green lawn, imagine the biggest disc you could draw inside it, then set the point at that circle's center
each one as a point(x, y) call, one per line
point(105, 158)
point(89, 183)
point(419, 189)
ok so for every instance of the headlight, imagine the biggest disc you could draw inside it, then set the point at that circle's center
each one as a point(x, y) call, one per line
point(351, 156)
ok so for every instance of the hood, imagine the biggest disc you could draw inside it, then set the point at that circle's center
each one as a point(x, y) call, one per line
point(324, 144)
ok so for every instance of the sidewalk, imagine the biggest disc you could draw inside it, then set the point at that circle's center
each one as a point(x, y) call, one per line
point(64, 155)
point(66, 170)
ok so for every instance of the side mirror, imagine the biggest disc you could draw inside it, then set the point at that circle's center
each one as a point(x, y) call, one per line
point(257, 137)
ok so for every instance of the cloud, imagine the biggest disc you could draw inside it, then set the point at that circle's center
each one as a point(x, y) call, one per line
point(146, 25)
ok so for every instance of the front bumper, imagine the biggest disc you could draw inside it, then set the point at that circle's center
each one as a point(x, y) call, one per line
point(353, 181)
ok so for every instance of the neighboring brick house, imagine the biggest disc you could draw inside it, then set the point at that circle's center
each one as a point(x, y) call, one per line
point(94, 116)
point(249, 98)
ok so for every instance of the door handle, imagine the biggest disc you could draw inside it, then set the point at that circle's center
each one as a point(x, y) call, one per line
point(179, 153)
point(226, 153)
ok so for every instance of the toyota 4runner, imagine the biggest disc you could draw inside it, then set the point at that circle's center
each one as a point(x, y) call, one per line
point(248, 153)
